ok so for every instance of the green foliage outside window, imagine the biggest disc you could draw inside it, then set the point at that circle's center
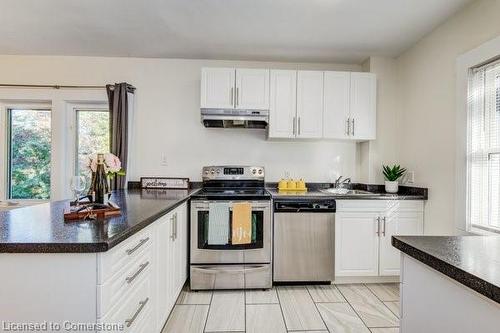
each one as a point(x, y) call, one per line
point(30, 148)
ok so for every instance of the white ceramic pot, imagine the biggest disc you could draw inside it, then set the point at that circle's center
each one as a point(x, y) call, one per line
point(391, 186)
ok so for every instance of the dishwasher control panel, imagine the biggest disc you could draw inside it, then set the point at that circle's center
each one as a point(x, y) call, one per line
point(302, 206)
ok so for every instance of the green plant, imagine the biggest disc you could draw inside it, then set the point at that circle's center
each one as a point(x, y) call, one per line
point(393, 173)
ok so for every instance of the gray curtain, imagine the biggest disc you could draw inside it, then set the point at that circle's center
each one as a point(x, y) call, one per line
point(119, 116)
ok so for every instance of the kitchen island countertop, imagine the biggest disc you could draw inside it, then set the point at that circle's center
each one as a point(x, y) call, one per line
point(473, 261)
point(42, 229)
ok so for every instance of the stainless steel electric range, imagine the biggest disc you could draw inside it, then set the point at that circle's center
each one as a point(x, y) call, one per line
point(221, 264)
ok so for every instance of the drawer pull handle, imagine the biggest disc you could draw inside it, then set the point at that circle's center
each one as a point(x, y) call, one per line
point(142, 304)
point(141, 243)
point(136, 274)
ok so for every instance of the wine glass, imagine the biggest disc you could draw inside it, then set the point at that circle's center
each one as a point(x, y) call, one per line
point(77, 185)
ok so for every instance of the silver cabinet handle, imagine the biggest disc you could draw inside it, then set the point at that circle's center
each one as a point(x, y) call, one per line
point(232, 96)
point(383, 231)
point(141, 243)
point(237, 96)
point(172, 227)
point(378, 226)
point(175, 225)
point(142, 304)
point(299, 125)
point(294, 125)
point(353, 126)
point(131, 278)
point(348, 126)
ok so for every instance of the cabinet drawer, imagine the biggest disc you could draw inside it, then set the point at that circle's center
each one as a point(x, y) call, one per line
point(206, 277)
point(122, 255)
point(379, 205)
point(124, 282)
point(131, 312)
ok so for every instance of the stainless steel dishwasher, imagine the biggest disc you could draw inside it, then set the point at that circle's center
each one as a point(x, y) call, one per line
point(304, 240)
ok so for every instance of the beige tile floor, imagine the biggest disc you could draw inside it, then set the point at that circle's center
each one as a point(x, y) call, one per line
point(363, 308)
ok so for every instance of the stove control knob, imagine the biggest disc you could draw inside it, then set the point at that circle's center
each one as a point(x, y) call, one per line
point(206, 172)
point(254, 171)
point(260, 171)
point(212, 171)
point(218, 171)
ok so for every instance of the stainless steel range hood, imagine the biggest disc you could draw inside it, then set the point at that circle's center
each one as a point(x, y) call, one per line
point(231, 118)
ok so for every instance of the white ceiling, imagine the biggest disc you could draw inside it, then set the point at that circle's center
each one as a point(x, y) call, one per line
point(275, 30)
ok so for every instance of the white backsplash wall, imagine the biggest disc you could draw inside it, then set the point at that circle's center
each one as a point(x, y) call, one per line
point(169, 139)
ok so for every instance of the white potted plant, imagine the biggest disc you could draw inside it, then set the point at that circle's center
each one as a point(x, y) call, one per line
point(392, 174)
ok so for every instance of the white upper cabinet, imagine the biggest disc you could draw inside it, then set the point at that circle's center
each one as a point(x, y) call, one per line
point(217, 88)
point(252, 89)
point(363, 106)
point(283, 104)
point(229, 88)
point(309, 104)
point(350, 106)
point(336, 111)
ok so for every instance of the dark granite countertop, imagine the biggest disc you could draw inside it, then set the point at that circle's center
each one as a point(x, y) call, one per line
point(313, 192)
point(42, 229)
point(473, 261)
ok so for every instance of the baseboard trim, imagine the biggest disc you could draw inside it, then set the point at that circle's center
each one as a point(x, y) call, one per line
point(366, 279)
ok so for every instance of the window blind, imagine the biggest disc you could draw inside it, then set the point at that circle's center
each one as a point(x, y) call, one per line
point(483, 146)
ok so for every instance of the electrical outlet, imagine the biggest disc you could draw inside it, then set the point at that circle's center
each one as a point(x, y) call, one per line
point(164, 160)
point(410, 177)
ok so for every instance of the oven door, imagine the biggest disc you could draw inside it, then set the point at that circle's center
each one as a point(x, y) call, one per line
point(258, 251)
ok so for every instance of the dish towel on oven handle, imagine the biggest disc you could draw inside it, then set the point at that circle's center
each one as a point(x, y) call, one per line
point(242, 223)
point(218, 223)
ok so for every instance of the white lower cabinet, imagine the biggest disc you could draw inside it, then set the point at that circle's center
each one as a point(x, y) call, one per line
point(363, 231)
point(172, 260)
point(130, 288)
point(149, 270)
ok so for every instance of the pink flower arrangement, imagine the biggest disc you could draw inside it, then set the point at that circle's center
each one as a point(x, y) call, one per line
point(112, 164)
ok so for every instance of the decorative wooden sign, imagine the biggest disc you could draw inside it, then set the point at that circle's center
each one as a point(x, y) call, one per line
point(165, 183)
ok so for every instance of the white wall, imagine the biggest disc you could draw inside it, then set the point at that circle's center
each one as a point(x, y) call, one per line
point(168, 118)
point(426, 119)
point(372, 154)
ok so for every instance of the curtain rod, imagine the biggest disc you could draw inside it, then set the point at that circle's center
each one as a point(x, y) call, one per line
point(55, 86)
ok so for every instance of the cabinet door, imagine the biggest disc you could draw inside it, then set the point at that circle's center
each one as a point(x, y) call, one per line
point(217, 88)
point(181, 246)
point(336, 105)
point(309, 104)
point(252, 89)
point(283, 104)
point(356, 244)
point(172, 264)
point(397, 223)
point(163, 269)
point(363, 106)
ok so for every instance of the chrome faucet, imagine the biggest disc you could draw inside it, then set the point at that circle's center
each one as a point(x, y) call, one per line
point(340, 183)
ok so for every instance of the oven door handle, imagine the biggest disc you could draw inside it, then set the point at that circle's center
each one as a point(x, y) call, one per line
point(215, 270)
point(247, 268)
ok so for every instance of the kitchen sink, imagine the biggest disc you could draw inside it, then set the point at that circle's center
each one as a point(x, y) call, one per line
point(345, 191)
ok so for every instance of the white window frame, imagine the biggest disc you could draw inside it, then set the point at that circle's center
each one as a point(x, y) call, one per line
point(62, 102)
point(72, 109)
point(483, 54)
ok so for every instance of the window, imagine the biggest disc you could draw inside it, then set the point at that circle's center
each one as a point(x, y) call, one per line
point(483, 146)
point(29, 150)
point(92, 136)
